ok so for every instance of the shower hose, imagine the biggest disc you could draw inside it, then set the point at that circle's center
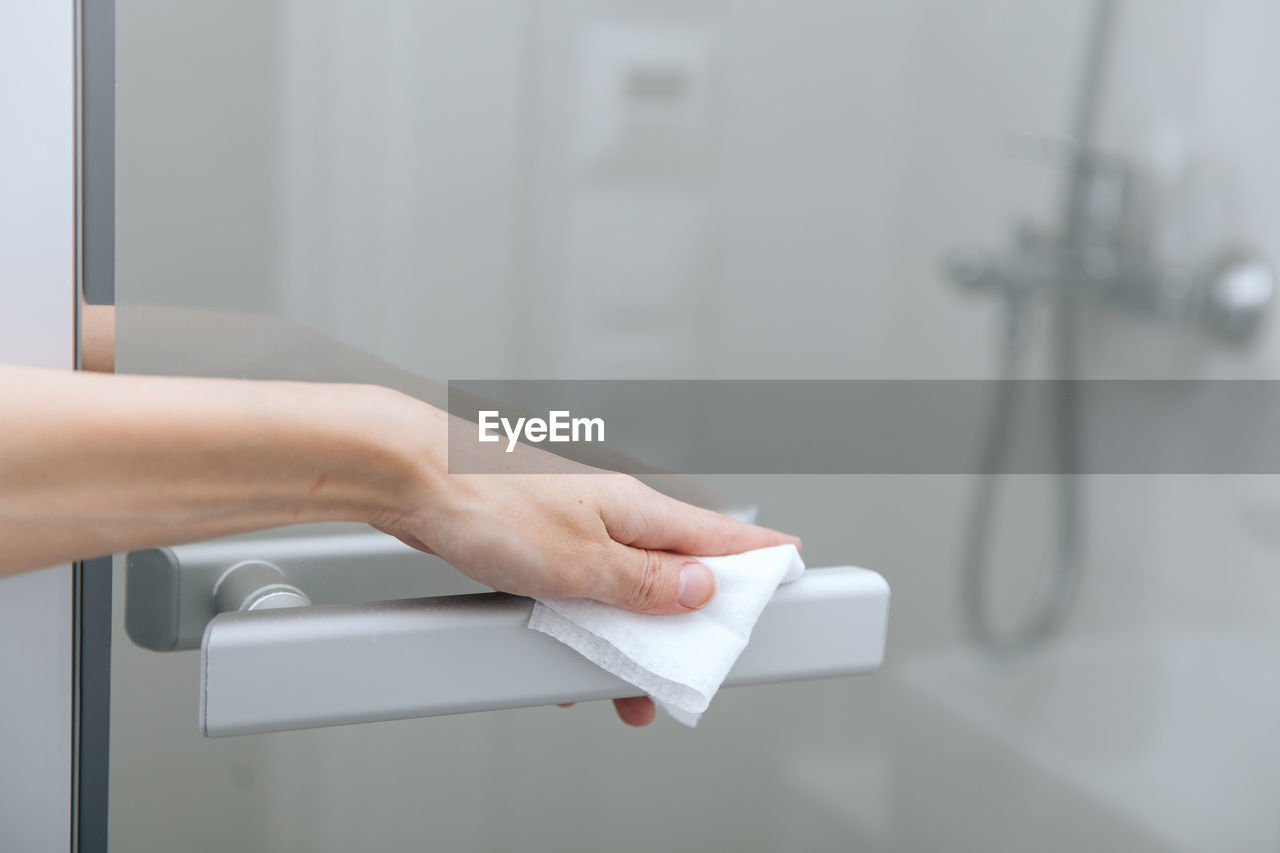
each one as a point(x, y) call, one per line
point(1057, 583)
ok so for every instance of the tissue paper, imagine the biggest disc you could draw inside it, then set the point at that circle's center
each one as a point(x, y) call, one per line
point(679, 660)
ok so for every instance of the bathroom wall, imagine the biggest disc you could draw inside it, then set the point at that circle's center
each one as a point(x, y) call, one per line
point(482, 189)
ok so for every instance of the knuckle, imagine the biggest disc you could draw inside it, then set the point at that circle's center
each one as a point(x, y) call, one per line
point(622, 485)
point(628, 508)
point(647, 586)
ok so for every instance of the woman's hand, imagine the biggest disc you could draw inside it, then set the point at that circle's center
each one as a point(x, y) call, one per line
point(602, 536)
point(582, 533)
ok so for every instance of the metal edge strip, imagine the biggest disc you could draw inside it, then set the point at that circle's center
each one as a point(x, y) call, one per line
point(95, 264)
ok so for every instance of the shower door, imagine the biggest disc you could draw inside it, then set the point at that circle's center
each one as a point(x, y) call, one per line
point(414, 191)
point(407, 193)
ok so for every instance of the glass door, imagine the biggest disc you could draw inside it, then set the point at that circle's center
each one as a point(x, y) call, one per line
point(413, 192)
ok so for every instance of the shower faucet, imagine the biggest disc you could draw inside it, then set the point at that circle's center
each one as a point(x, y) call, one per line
point(1108, 261)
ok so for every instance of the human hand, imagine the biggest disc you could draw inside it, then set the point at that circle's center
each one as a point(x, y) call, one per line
point(582, 533)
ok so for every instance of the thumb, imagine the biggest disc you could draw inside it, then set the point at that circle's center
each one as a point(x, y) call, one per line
point(656, 582)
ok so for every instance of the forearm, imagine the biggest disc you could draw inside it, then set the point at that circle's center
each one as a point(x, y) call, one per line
point(93, 464)
point(98, 338)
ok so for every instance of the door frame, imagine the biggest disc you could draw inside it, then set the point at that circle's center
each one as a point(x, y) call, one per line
point(56, 244)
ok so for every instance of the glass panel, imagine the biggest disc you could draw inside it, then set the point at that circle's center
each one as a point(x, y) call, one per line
point(745, 189)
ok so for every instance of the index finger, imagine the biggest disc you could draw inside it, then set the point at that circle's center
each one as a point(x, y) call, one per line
point(654, 521)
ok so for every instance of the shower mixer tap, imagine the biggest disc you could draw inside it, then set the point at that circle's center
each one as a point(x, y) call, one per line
point(1108, 261)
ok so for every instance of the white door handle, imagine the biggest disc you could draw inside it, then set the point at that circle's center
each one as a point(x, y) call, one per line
point(272, 668)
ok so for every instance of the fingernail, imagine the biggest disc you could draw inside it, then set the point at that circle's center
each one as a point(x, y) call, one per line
point(697, 585)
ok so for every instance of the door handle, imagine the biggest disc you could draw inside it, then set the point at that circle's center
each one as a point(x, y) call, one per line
point(267, 666)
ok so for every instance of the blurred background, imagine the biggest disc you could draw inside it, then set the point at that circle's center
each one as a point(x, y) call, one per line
point(746, 189)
